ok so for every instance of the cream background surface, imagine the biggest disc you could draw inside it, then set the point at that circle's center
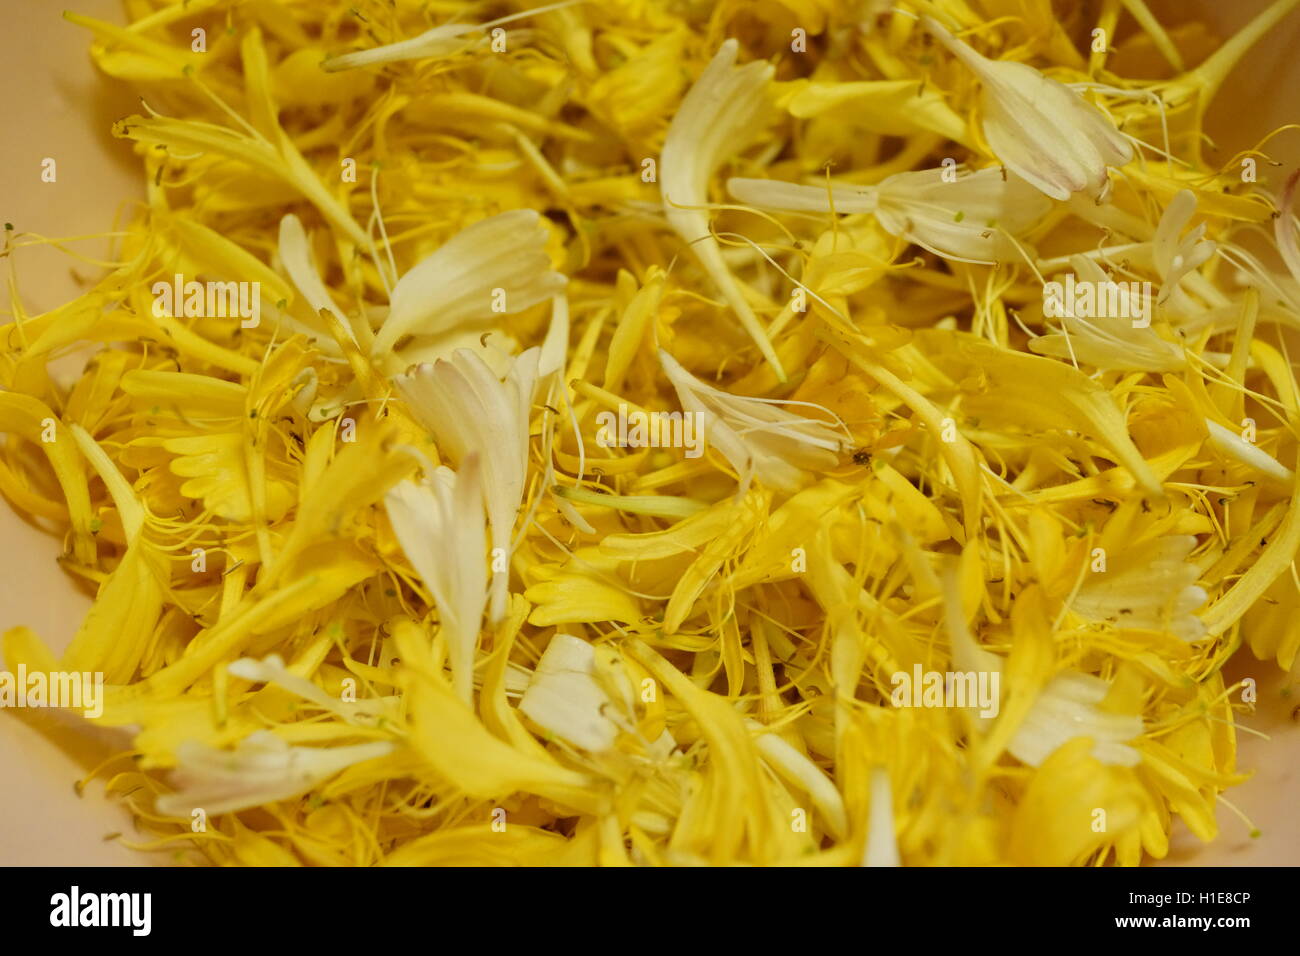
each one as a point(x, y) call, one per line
point(53, 103)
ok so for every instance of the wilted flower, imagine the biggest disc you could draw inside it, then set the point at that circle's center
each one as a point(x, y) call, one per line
point(501, 259)
point(261, 770)
point(440, 525)
point(1177, 255)
point(1041, 129)
point(470, 409)
point(754, 434)
point(272, 670)
point(716, 116)
point(972, 216)
point(238, 496)
point(1068, 708)
point(564, 697)
point(456, 283)
point(1230, 443)
point(442, 40)
point(1116, 333)
point(1150, 586)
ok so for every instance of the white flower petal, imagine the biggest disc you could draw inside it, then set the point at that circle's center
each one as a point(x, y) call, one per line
point(565, 698)
point(968, 217)
point(1234, 446)
point(1039, 128)
point(295, 255)
point(442, 40)
point(1067, 708)
point(456, 283)
point(775, 194)
point(470, 409)
point(1150, 586)
point(262, 769)
point(717, 114)
point(799, 770)
point(440, 527)
point(271, 670)
point(757, 436)
point(1110, 341)
point(556, 344)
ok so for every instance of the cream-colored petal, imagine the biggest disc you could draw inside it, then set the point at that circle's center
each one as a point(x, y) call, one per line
point(715, 119)
point(262, 769)
point(503, 256)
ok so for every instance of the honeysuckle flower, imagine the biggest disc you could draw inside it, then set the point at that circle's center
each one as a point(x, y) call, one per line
point(297, 259)
point(974, 217)
point(469, 409)
point(262, 769)
point(456, 284)
point(1068, 708)
point(1039, 128)
point(1038, 392)
point(440, 525)
point(497, 348)
point(715, 117)
point(1117, 334)
point(755, 435)
point(1149, 586)
point(272, 670)
point(442, 40)
point(1068, 788)
point(1187, 298)
point(231, 492)
point(498, 261)
point(1177, 255)
point(563, 595)
point(1230, 443)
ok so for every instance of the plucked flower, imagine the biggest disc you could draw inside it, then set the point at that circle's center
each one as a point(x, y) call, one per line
point(1177, 255)
point(715, 117)
point(1039, 128)
point(973, 217)
point(448, 296)
point(1111, 339)
point(442, 40)
point(469, 410)
point(272, 670)
point(262, 769)
point(454, 286)
point(440, 525)
point(1231, 444)
point(1068, 708)
point(801, 772)
point(296, 257)
point(583, 694)
point(1150, 586)
point(756, 436)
